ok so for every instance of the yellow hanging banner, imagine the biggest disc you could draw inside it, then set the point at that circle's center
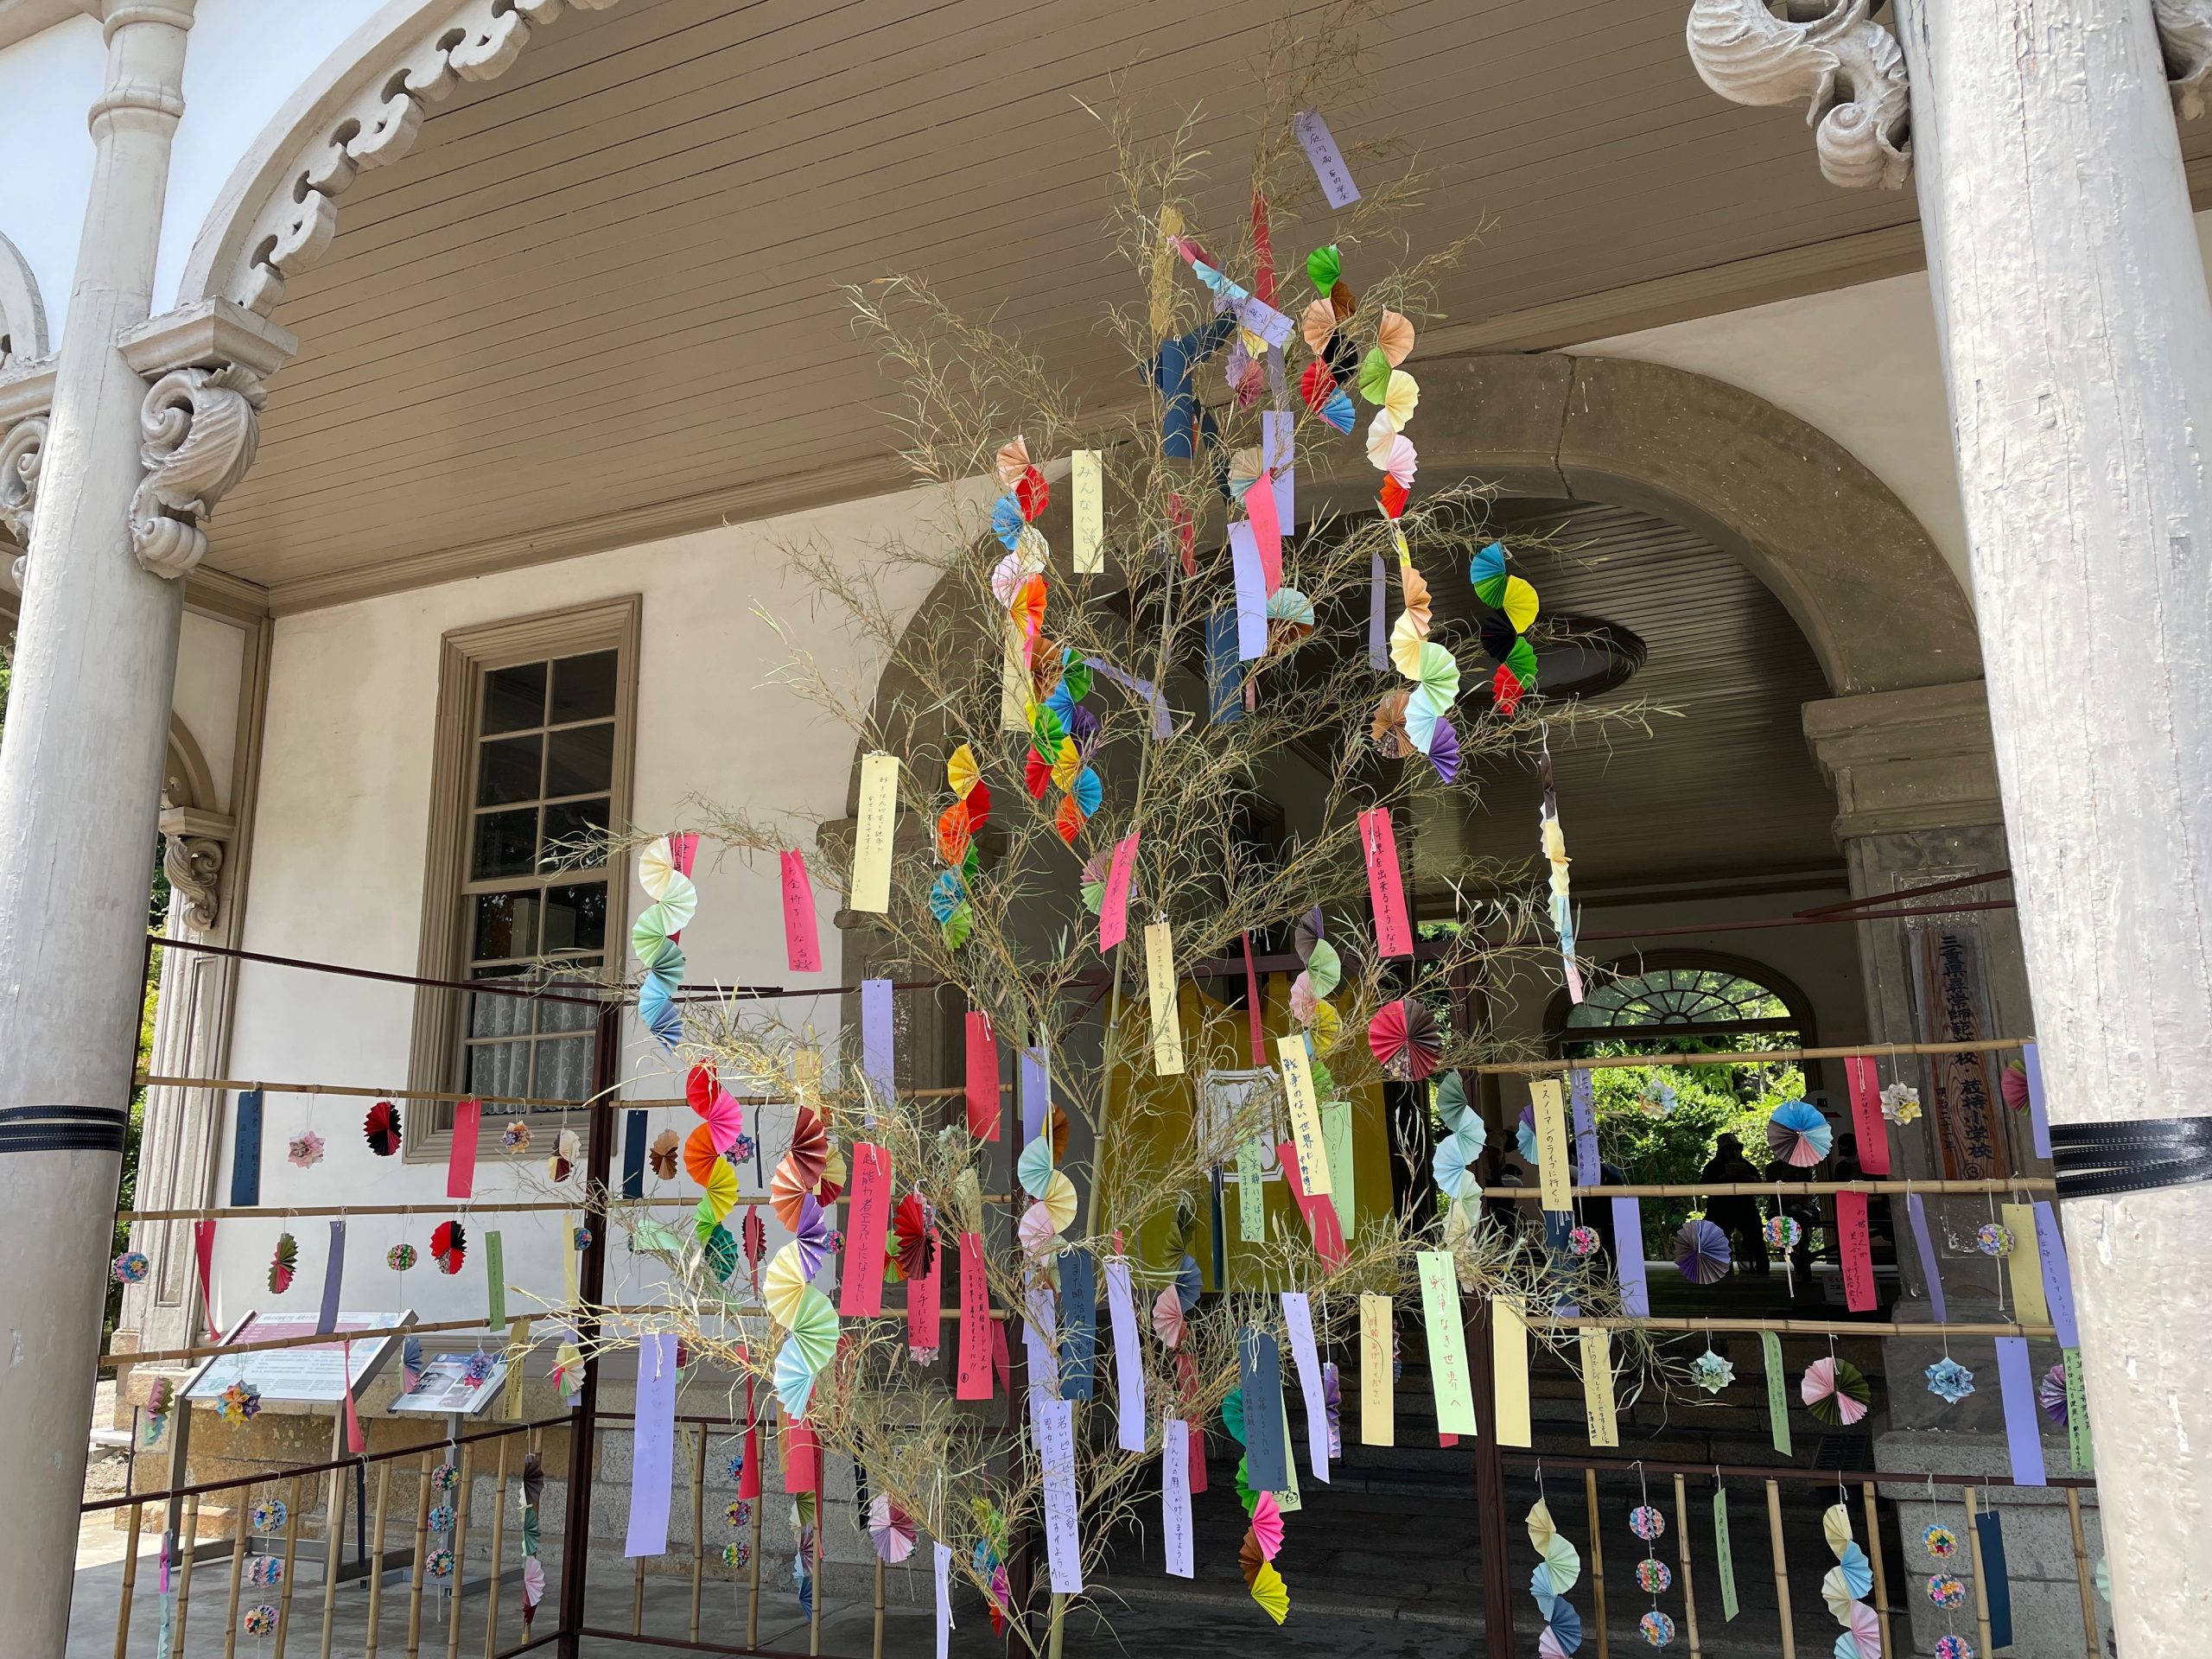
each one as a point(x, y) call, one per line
point(2029, 1306)
point(1304, 1115)
point(1508, 1347)
point(1598, 1384)
point(1552, 1167)
point(871, 886)
point(1087, 485)
point(518, 1348)
point(1014, 685)
point(1377, 1405)
point(1160, 985)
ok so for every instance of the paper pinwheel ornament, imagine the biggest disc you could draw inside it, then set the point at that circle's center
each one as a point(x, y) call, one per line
point(2050, 1394)
point(1798, 1135)
point(665, 872)
point(1949, 1381)
point(131, 1268)
point(1701, 1252)
point(1835, 1391)
point(304, 1150)
point(1711, 1372)
point(1558, 1569)
point(1405, 1040)
point(891, 1530)
point(381, 1129)
point(284, 1265)
point(449, 1246)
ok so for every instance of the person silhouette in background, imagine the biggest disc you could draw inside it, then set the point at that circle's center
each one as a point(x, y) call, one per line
point(1736, 1215)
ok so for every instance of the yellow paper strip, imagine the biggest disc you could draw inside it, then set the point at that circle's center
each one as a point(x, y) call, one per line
point(1166, 1017)
point(517, 1347)
point(568, 1257)
point(1336, 1135)
point(1378, 1424)
point(1447, 1344)
point(1014, 685)
point(1087, 487)
point(1552, 1168)
point(1304, 1115)
point(2025, 1265)
point(1508, 1349)
point(1598, 1386)
point(871, 889)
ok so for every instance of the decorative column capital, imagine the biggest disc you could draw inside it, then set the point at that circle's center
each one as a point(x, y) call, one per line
point(193, 844)
point(2185, 41)
point(1830, 52)
point(201, 428)
point(1920, 758)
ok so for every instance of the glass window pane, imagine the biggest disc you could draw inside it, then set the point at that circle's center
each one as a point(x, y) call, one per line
point(504, 844)
point(583, 687)
point(506, 925)
point(498, 1068)
point(514, 697)
point(569, 826)
point(563, 1070)
point(575, 917)
point(507, 771)
point(579, 760)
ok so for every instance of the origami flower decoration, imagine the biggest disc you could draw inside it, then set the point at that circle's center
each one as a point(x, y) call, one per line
point(1658, 1629)
point(260, 1620)
point(264, 1570)
point(400, 1257)
point(239, 1403)
point(304, 1150)
point(1584, 1241)
point(1946, 1590)
point(130, 1268)
point(1901, 1104)
point(1993, 1238)
point(1647, 1523)
point(740, 1513)
point(1780, 1232)
point(1940, 1542)
point(515, 1137)
point(440, 1518)
point(1949, 1381)
point(1711, 1372)
point(1953, 1647)
point(1653, 1576)
point(737, 1555)
point(1657, 1099)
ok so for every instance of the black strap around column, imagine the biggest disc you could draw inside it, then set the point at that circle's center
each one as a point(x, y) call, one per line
point(63, 1129)
point(2096, 1160)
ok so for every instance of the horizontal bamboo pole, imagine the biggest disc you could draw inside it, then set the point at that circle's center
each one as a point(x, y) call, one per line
point(1794, 1327)
point(301, 1212)
point(312, 1339)
point(1783, 1189)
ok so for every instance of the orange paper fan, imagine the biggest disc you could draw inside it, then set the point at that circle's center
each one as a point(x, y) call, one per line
point(954, 832)
point(1069, 820)
point(699, 1155)
point(787, 1194)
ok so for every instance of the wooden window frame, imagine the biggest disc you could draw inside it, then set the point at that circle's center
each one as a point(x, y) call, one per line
point(465, 655)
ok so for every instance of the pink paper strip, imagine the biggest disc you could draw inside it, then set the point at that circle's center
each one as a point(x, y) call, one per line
point(1320, 1213)
point(802, 944)
point(1175, 1495)
point(1858, 1258)
point(1394, 935)
point(748, 1478)
point(860, 1294)
point(1001, 1367)
point(1872, 1135)
point(922, 1312)
point(1267, 529)
point(1113, 909)
point(983, 1112)
point(203, 1254)
point(460, 1159)
point(356, 1442)
point(802, 1459)
point(974, 1380)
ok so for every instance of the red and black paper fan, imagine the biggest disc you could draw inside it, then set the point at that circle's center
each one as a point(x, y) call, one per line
point(756, 1239)
point(381, 1129)
point(809, 1152)
point(914, 1240)
point(1405, 1039)
point(449, 1246)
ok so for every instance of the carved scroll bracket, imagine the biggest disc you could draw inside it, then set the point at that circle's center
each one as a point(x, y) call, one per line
point(1830, 52)
point(200, 429)
point(2185, 38)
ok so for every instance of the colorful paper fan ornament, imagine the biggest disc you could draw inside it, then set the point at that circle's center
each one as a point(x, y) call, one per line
point(1034, 1168)
point(449, 1246)
point(913, 1241)
point(1562, 1631)
point(1167, 1317)
point(891, 1530)
point(131, 1268)
point(284, 1264)
point(1835, 1391)
point(665, 872)
point(1267, 1525)
point(1711, 1372)
point(1443, 752)
point(400, 1257)
point(787, 1193)
point(811, 1237)
point(808, 1154)
point(662, 1155)
point(1290, 620)
point(784, 1285)
point(814, 1329)
point(1949, 1381)
point(1405, 1040)
point(1701, 1252)
point(1798, 1135)
point(381, 1129)
point(1271, 1592)
point(566, 1149)
point(1994, 1239)
point(2050, 1394)
point(1454, 1167)
point(1036, 1231)
point(794, 1381)
point(1658, 1629)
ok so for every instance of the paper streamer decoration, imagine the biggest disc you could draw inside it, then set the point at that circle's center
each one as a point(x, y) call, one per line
point(1377, 1402)
point(2039, 1115)
point(1859, 1295)
point(1252, 1194)
point(872, 834)
point(1052, 1421)
point(517, 1350)
point(941, 1556)
point(1298, 1318)
point(1260, 1367)
point(652, 1468)
point(333, 1274)
point(1628, 1257)
point(2023, 1431)
point(461, 1158)
point(1114, 910)
point(1078, 1323)
point(245, 1152)
point(1778, 1392)
point(1175, 1456)
point(1386, 891)
point(1036, 1093)
point(2024, 1265)
point(1128, 1355)
point(1917, 1213)
point(1160, 994)
point(982, 1077)
point(1447, 1344)
point(634, 1130)
point(1724, 1556)
point(1251, 587)
point(495, 1280)
point(203, 1257)
point(1305, 1115)
point(1266, 531)
point(1224, 676)
point(1040, 1351)
point(974, 1378)
point(802, 940)
point(1510, 1372)
point(1996, 1581)
point(1278, 453)
point(879, 1052)
point(1087, 488)
point(2058, 1291)
point(1320, 1211)
point(1597, 1346)
point(1868, 1125)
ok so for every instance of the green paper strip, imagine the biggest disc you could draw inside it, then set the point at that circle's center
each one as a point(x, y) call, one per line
point(1251, 1196)
point(1336, 1140)
point(1778, 1397)
point(2079, 1456)
point(1447, 1344)
point(1288, 1500)
point(495, 1281)
point(1723, 1554)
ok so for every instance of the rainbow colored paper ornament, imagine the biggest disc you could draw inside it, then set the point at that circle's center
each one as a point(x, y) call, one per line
point(957, 828)
point(665, 872)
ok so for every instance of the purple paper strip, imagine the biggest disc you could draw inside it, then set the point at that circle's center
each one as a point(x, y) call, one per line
point(1053, 1423)
point(1263, 320)
point(1328, 163)
point(1278, 451)
point(2057, 1276)
point(943, 1555)
point(1163, 727)
point(1917, 1213)
point(1036, 1093)
point(1628, 1257)
point(652, 1452)
point(1128, 1355)
point(1378, 653)
point(2023, 1431)
point(1586, 1128)
point(1175, 1495)
point(1298, 1318)
point(2038, 1118)
point(327, 1321)
point(1251, 593)
point(1039, 1343)
point(878, 1054)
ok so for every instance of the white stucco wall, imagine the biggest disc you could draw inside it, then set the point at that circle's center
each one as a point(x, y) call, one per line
point(340, 849)
point(211, 659)
point(48, 84)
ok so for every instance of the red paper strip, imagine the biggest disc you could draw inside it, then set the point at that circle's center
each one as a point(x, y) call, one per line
point(1442, 1439)
point(1871, 1133)
point(1001, 1365)
point(203, 1253)
point(1267, 529)
point(1187, 533)
point(748, 1476)
point(802, 944)
point(802, 1459)
point(983, 1113)
point(1252, 1007)
point(1320, 1213)
point(974, 1380)
point(460, 1159)
point(356, 1442)
point(922, 1320)
point(682, 851)
point(860, 1292)
point(1113, 909)
point(1858, 1257)
point(1187, 1368)
point(1393, 936)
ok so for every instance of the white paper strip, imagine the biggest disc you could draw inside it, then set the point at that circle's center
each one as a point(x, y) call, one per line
point(1175, 1495)
point(1129, 1357)
point(1329, 169)
point(1053, 1423)
point(1298, 1314)
point(944, 1553)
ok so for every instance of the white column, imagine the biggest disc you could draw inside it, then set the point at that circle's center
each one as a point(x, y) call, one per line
point(81, 775)
point(2078, 351)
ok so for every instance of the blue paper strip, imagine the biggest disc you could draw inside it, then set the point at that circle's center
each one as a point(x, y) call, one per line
point(1996, 1582)
point(1037, 1343)
point(245, 1151)
point(1225, 672)
point(1378, 587)
point(1265, 1458)
point(1036, 1093)
point(2057, 1277)
point(2023, 1431)
point(332, 1274)
point(1628, 1257)
point(1078, 1323)
point(1582, 1095)
point(2038, 1118)
point(1917, 1213)
point(879, 1056)
point(1251, 593)
point(653, 1454)
point(633, 1155)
